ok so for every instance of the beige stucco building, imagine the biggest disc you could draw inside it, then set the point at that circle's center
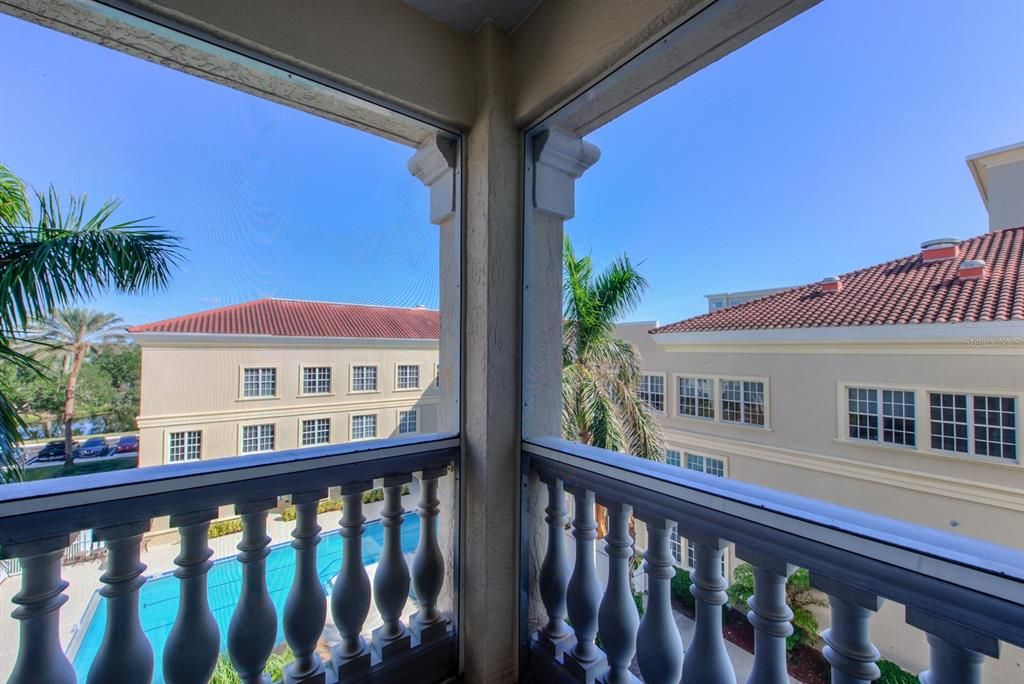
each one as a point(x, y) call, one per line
point(282, 374)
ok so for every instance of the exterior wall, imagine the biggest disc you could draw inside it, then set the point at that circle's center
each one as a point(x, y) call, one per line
point(804, 449)
point(198, 387)
point(1006, 196)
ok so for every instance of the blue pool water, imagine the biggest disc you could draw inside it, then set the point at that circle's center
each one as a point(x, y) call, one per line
point(158, 598)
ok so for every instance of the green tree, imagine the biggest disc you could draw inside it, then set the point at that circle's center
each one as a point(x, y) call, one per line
point(50, 260)
point(122, 364)
point(601, 372)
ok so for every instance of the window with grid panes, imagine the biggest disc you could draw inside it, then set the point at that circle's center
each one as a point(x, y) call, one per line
point(364, 378)
point(407, 422)
point(652, 392)
point(408, 377)
point(258, 438)
point(259, 382)
point(695, 398)
point(364, 427)
point(316, 431)
point(184, 446)
point(316, 380)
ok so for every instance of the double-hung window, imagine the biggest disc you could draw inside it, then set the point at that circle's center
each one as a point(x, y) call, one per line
point(978, 424)
point(364, 378)
point(316, 380)
point(652, 392)
point(887, 415)
point(259, 382)
point(258, 438)
point(316, 431)
point(408, 377)
point(695, 397)
point(672, 457)
point(408, 422)
point(364, 426)
point(184, 446)
point(743, 401)
point(706, 464)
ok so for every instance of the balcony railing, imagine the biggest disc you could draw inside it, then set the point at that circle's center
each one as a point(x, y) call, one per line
point(967, 596)
point(37, 519)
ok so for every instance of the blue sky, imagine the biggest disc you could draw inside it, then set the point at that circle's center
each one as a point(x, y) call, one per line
point(834, 142)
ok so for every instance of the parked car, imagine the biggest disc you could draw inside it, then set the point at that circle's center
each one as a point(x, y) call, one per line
point(54, 451)
point(127, 443)
point(94, 447)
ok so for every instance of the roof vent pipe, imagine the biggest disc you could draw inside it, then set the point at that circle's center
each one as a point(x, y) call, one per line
point(940, 249)
point(832, 284)
point(972, 269)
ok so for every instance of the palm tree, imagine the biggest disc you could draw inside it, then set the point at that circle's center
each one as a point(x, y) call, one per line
point(61, 256)
point(70, 335)
point(600, 372)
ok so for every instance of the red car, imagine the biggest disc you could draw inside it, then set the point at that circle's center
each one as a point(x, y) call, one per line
point(127, 444)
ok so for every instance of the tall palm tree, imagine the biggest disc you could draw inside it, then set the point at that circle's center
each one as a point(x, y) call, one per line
point(49, 261)
point(69, 335)
point(600, 372)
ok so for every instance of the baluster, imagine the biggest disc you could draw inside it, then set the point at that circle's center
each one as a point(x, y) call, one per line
point(253, 628)
point(350, 596)
point(555, 637)
point(305, 610)
point(585, 660)
point(617, 617)
point(40, 656)
point(193, 645)
point(428, 624)
point(391, 582)
point(955, 653)
point(769, 615)
point(125, 654)
point(707, 661)
point(659, 646)
point(848, 647)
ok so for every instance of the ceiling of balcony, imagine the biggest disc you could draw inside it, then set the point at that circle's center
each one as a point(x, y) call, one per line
point(467, 16)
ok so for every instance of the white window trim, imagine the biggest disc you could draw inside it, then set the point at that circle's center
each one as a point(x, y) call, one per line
point(298, 434)
point(334, 380)
point(419, 378)
point(268, 397)
point(352, 416)
point(844, 415)
point(716, 399)
point(398, 421)
point(256, 423)
point(351, 378)
point(167, 443)
point(664, 392)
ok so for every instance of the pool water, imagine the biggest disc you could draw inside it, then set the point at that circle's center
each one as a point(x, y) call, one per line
point(158, 598)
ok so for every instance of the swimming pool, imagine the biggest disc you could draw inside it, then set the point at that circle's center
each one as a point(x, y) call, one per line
point(158, 598)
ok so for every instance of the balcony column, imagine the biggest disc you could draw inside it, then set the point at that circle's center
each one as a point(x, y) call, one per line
point(617, 618)
point(125, 654)
point(769, 615)
point(391, 581)
point(350, 596)
point(706, 659)
point(191, 651)
point(40, 656)
point(253, 628)
point(659, 646)
point(585, 661)
point(305, 609)
point(555, 637)
point(955, 653)
point(428, 623)
point(848, 647)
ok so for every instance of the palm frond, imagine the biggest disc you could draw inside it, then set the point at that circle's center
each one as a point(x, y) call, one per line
point(14, 207)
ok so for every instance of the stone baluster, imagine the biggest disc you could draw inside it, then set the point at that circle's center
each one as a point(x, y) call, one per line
point(125, 654)
point(848, 647)
point(769, 615)
point(428, 624)
point(555, 637)
point(391, 581)
point(40, 656)
point(305, 609)
point(584, 660)
point(659, 647)
point(350, 596)
point(617, 617)
point(955, 653)
point(191, 651)
point(707, 661)
point(253, 628)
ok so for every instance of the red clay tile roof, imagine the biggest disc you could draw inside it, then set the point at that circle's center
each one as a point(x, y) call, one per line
point(295, 318)
point(896, 292)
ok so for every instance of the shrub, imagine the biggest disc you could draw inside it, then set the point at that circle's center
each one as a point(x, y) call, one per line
point(638, 599)
point(681, 588)
point(222, 528)
point(894, 674)
point(324, 506)
point(225, 672)
point(799, 596)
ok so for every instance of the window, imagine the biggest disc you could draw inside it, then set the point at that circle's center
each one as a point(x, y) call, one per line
point(676, 547)
point(437, 375)
point(184, 446)
point(257, 438)
point(863, 410)
point(316, 380)
point(652, 392)
point(408, 377)
point(364, 427)
point(316, 431)
point(705, 464)
point(407, 422)
point(672, 457)
point(743, 402)
point(990, 427)
point(894, 414)
point(899, 421)
point(364, 378)
point(695, 397)
point(259, 382)
point(691, 557)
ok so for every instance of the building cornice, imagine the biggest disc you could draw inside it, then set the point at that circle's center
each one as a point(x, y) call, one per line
point(164, 339)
